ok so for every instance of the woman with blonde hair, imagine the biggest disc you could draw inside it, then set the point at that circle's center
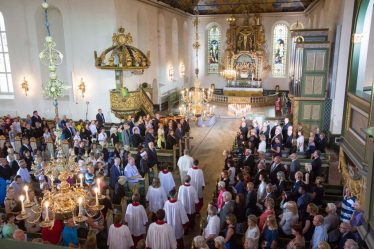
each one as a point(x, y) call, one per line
point(230, 231)
point(323, 245)
point(161, 136)
point(253, 232)
point(199, 242)
point(289, 217)
point(270, 232)
point(219, 242)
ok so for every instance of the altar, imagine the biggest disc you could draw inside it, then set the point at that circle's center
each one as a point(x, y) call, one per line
point(242, 91)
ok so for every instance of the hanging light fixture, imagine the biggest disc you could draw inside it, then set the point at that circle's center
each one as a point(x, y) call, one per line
point(63, 198)
point(195, 101)
point(51, 57)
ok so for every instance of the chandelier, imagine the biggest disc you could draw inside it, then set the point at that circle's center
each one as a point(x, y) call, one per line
point(195, 101)
point(63, 198)
point(228, 74)
point(51, 57)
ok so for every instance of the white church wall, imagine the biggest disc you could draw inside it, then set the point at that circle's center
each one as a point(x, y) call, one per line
point(338, 86)
point(87, 26)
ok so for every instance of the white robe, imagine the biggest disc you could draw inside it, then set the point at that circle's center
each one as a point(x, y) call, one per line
point(187, 195)
point(184, 164)
point(160, 237)
point(213, 227)
point(156, 198)
point(136, 218)
point(176, 216)
point(197, 180)
point(167, 181)
point(119, 237)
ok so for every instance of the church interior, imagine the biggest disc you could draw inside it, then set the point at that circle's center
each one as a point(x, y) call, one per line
point(172, 124)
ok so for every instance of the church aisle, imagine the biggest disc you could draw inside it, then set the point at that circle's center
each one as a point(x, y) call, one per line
point(208, 144)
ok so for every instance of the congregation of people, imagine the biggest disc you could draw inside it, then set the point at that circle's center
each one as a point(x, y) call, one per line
point(258, 203)
point(261, 202)
point(160, 219)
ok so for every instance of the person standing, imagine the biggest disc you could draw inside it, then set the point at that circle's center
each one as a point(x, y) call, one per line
point(136, 218)
point(35, 118)
point(156, 196)
point(100, 118)
point(187, 195)
point(160, 234)
point(185, 162)
point(176, 216)
point(119, 236)
point(197, 181)
point(320, 231)
point(166, 179)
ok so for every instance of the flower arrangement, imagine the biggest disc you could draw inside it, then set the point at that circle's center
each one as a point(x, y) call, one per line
point(54, 89)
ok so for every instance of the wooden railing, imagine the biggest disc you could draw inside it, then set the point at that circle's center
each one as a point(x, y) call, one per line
point(267, 100)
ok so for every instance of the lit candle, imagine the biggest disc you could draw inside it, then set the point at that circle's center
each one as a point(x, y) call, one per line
point(98, 185)
point(80, 200)
point(26, 188)
point(97, 196)
point(22, 198)
point(81, 180)
point(46, 205)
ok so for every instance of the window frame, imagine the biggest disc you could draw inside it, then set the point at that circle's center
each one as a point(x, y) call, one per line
point(9, 94)
point(208, 38)
point(286, 49)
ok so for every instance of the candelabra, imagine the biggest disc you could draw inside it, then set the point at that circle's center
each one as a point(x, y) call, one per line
point(63, 197)
point(195, 101)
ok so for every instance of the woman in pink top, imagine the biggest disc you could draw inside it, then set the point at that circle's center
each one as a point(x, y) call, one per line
point(221, 189)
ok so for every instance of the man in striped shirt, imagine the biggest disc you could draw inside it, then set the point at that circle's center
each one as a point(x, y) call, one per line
point(347, 206)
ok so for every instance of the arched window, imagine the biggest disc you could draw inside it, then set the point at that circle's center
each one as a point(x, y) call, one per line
point(214, 40)
point(6, 83)
point(280, 50)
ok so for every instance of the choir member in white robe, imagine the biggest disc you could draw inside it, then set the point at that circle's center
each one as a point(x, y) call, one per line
point(185, 162)
point(187, 195)
point(197, 181)
point(213, 223)
point(166, 179)
point(156, 196)
point(160, 234)
point(119, 236)
point(136, 218)
point(176, 216)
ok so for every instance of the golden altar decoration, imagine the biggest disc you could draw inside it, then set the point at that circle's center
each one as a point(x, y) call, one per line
point(122, 56)
point(245, 53)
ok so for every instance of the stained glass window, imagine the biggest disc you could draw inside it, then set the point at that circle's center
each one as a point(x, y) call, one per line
point(6, 84)
point(214, 36)
point(280, 50)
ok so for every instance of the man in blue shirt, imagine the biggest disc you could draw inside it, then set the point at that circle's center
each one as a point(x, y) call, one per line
point(132, 174)
point(320, 231)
